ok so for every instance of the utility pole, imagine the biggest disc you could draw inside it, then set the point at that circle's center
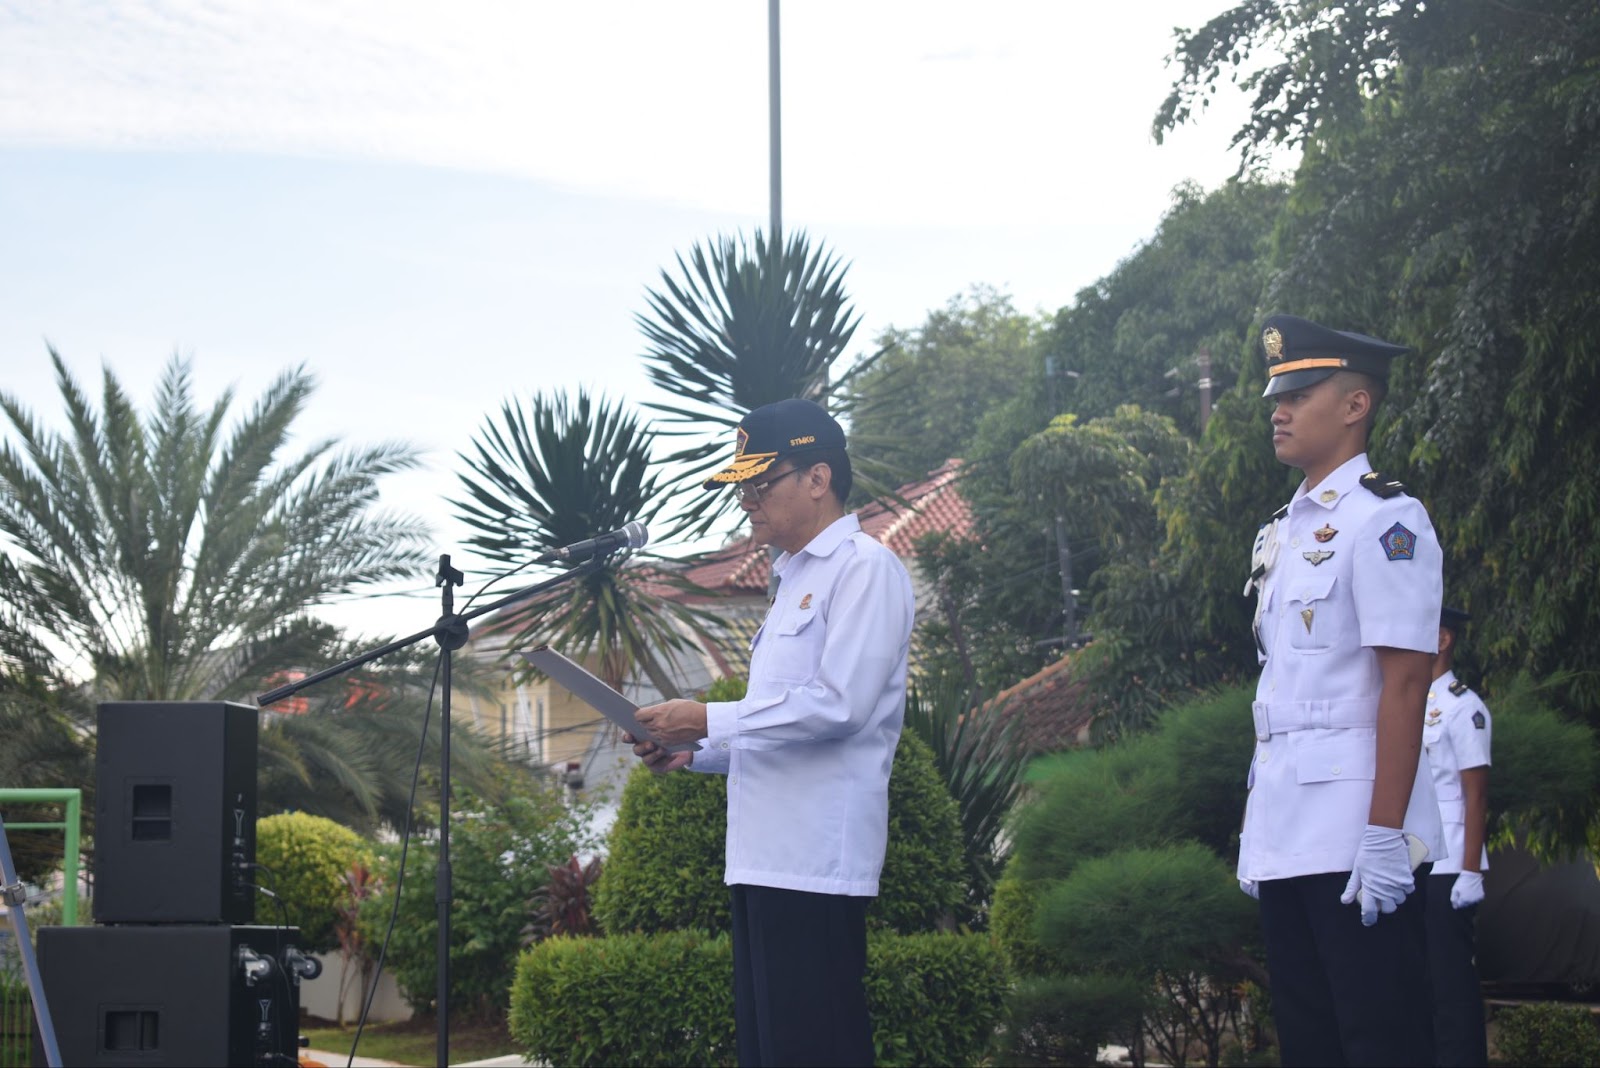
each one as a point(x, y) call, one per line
point(775, 131)
point(1069, 603)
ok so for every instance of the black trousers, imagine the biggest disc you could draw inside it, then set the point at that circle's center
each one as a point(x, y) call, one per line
point(1459, 1038)
point(799, 971)
point(1344, 994)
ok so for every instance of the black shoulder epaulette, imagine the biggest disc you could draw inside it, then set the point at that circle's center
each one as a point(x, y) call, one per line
point(1280, 513)
point(1382, 484)
point(1459, 687)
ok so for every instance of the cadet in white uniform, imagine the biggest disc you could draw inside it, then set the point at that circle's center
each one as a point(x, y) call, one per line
point(1348, 580)
point(808, 750)
point(1455, 737)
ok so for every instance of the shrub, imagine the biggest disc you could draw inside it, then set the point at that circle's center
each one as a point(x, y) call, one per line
point(1142, 911)
point(645, 999)
point(1016, 902)
point(1066, 1019)
point(304, 859)
point(1547, 1034)
point(664, 859)
point(499, 857)
point(935, 999)
point(664, 870)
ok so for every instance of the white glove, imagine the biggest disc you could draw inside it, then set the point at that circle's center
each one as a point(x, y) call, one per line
point(1467, 890)
point(1381, 876)
point(1249, 887)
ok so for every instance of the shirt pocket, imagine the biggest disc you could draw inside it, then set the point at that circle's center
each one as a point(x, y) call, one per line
point(795, 648)
point(1308, 604)
point(1336, 759)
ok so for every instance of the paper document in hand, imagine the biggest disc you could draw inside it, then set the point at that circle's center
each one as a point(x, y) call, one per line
point(596, 694)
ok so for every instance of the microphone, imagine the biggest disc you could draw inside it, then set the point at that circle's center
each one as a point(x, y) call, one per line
point(631, 536)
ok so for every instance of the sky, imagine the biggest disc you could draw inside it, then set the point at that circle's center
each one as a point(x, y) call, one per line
point(437, 208)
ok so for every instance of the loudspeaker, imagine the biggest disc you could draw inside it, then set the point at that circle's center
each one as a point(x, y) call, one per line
point(175, 825)
point(173, 995)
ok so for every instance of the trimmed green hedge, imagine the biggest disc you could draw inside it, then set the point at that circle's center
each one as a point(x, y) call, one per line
point(1548, 1033)
point(667, 999)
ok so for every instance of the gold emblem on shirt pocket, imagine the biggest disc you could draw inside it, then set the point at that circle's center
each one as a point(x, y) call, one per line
point(1305, 597)
point(1336, 759)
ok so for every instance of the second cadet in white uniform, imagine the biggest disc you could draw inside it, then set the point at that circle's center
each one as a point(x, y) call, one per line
point(1455, 737)
point(1341, 809)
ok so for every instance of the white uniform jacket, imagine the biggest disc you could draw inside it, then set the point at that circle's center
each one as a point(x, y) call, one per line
point(809, 749)
point(1455, 736)
point(1343, 571)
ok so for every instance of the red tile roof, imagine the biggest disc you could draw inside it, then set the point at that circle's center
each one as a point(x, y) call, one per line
point(932, 504)
point(1052, 706)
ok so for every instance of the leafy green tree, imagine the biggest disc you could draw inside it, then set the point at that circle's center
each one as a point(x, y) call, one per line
point(1447, 198)
point(500, 855)
point(920, 403)
point(743, 324)
point(555, 472)
point(1136, 335)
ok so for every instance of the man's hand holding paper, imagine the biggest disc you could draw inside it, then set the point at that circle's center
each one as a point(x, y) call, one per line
point(674, 722)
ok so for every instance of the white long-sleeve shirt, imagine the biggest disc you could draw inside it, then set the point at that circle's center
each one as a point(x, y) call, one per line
point(809, 749)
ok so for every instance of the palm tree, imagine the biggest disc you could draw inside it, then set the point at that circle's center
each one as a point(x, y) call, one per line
point(164, 558)
point(554, 473)
point(740, 327)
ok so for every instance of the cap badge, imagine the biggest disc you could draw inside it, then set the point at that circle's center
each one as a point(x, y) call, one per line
point(740, 440)
point(1329, 496)
point(1325, 534)
point(1316, 556)
point(805, 602)
point(1398, 543)
point(1306, 614)
point(1272, 341)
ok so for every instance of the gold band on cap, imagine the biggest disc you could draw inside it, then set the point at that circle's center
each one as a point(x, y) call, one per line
point(745, 465)
point(1304, 365)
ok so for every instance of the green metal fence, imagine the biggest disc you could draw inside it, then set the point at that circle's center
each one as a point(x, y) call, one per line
point(16, 1020)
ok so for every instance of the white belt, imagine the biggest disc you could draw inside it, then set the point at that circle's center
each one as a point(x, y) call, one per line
point(1276, 717)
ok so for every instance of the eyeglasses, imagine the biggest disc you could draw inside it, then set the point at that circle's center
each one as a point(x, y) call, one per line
point(756, 492)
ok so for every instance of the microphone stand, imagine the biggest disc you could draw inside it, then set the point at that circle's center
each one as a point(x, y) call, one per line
point(451, 632)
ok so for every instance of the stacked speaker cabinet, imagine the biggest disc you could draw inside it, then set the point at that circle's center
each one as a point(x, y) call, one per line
point(175, 813)
point(173, 972)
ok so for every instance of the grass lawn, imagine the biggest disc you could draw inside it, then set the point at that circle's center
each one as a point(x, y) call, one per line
point(411, 1041)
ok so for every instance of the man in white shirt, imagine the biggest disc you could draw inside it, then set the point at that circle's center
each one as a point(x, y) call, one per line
point(808, 750)
point(1455, 737)
point(1349, 581)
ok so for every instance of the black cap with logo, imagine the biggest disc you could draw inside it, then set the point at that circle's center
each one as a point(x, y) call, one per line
point(791, 427)
point(1301, 353)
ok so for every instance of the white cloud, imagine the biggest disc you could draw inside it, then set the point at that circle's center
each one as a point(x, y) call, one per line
point(921, 113)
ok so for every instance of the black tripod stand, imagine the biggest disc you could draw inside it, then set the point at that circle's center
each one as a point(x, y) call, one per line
point(451, 632)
